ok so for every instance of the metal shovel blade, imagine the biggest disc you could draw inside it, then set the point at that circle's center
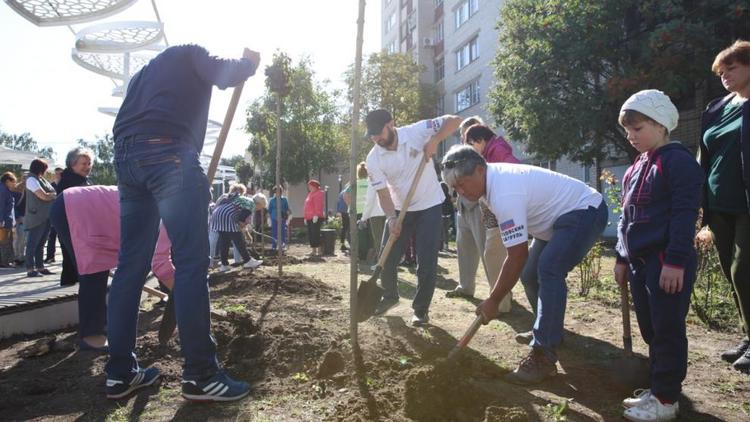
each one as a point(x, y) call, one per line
point(369, 295)
point(168, 323)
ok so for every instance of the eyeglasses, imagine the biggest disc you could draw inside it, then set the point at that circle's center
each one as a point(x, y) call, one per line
point(447, 165)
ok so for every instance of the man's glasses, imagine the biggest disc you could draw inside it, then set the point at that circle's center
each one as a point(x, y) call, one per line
point(447, 165)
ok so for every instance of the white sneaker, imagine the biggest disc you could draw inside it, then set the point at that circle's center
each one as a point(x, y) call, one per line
point(224, 268)
point(639, 396)
point(252, 263)
point(652, 410)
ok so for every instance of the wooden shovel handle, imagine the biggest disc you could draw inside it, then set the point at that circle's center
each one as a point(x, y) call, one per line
point(627, 339)
point(404, 207)
point(154, 292)
point(224, 132)
point(468, 335)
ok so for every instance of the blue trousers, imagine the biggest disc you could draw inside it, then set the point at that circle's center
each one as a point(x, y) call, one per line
point(661, 319)
point(426, 223)
point(35, 238)
point(574, 233)
point(92, 288)
point(275, 231)
point(156, 179)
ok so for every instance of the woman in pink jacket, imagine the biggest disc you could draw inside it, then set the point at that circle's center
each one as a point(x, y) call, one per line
point(87, 220)
point(314, 214)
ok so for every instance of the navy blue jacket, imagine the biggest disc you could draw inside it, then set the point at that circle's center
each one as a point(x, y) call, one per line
point(7, 203)
point(169, 97)
point(661, 195)
point(713, 110)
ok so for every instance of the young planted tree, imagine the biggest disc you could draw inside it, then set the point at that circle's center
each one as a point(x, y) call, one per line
point(564, 67)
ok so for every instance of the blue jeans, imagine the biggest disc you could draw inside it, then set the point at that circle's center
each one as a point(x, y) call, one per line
point(275, 231)
point(574, 233)
point(156, 179)
point(661, 319)
point(35, 238)
point(92, 288)
point(427, 225)
point(529, 275)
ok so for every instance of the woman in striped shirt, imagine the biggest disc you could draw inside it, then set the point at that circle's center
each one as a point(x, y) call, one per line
point(228, 219)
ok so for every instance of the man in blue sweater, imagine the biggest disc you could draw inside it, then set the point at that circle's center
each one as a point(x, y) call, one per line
point(159, 134)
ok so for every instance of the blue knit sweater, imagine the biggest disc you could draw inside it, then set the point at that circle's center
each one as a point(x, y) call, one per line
point(169, 97)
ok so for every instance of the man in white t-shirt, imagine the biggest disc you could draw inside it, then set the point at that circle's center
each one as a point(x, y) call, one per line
point(392, 164)
point(564, 213)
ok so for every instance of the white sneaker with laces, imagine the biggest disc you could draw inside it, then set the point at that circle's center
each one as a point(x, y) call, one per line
point(639, 396)
point(224, 268)
point(252, 263)
point(652, 410)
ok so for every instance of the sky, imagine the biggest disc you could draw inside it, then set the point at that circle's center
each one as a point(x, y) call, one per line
point(45, 93)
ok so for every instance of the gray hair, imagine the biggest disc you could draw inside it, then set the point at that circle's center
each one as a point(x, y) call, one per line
point(460, 161)
point(260, 201)
point(77, 153)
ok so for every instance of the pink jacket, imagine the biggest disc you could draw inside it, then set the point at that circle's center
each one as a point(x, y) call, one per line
point(498, 150)
point(93, 214)
point(314, 205)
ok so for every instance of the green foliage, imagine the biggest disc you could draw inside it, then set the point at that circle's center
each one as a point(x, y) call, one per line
point(103, 170)
point(391, 81)
point(24, 142)
point(243, 168)
point(334, 223)
point(558, 411)
point(590, 268)
point(313, 139)
point(564, 67)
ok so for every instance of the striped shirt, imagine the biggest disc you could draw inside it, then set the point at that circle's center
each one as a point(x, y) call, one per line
point(226, 216)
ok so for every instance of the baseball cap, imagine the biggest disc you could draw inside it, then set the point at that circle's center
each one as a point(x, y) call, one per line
point(376, 121)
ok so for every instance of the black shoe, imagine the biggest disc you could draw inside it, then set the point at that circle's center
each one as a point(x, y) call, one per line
point(742, 364)
point(420, 318)
point(49, 260)
point(45, 271)
point(33, 274)
point(731, 355)
point(525, 338)
point(19, 261)
point(533, 369)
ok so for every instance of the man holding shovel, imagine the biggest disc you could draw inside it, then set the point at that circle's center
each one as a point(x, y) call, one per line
point(392, 164)
point(563, 212)
point(159, 134)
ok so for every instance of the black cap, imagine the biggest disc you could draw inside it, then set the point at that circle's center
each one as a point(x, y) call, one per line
point(376, 121)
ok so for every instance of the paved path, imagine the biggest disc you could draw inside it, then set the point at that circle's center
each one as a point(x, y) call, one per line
point(19, 291)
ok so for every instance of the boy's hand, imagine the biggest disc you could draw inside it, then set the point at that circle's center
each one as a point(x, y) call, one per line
point(704, 238)
point(671, 279)
point(621, 274)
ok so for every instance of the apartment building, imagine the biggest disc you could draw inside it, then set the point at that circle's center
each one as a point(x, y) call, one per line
point(456, 42)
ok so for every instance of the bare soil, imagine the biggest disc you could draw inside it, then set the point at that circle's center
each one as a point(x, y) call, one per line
point(289, 337)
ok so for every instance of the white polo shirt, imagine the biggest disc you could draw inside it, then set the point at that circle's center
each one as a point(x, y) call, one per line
point(528, 199)
point(396, 169)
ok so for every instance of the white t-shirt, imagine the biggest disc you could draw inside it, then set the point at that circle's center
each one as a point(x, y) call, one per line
point(32, 184)
point(528, 199)
point(396, 169)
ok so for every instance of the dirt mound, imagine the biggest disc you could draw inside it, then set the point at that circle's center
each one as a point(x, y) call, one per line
point(505, 414)
point(333, 362)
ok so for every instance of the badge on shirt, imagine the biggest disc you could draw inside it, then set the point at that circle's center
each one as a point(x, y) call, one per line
point(507, 225)
point(434, 124)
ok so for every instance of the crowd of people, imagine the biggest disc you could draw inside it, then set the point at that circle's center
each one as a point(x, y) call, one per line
point(501, 204)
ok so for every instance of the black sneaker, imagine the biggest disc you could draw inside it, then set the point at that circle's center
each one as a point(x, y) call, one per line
point(742, 363)
point(420, 318)
point(525, 338)
point(533, 369)
point(119, 388)
point(219, 387)
point(33, 274)
point(45, 271)
point(385, 305)
point(731, 355)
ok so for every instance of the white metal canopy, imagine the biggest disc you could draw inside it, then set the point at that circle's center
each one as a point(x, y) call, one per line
point(67, 12)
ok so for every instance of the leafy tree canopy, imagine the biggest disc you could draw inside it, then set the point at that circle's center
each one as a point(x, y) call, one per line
point(24, 142)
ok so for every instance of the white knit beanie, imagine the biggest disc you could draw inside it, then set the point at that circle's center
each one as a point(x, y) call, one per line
point(654, 104)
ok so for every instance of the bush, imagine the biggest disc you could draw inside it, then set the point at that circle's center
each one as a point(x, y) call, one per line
point(712, 299)
point(590, 268)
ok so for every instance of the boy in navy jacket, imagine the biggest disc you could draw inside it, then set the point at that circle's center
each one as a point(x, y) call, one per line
point(661, 195)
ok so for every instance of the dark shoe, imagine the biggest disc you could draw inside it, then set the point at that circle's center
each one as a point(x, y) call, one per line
point(33, 274)
point(525, 338)
point(731, 355)
point(420, 318)
point(458, 292)
point(533, 369)
point(219, 387)
point(45, 271)
point(385, 305)
point(119, 388)
point(85, 347)
point(19, 261)
point(49, 260)
point(742, 364)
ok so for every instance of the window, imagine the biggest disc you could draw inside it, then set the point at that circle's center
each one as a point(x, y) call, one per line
point(439, 69)
point(587, 174)
point(391, 47)
point(467, 96)
point(440, 107)
point(390, 23)
point(466, 54)
point(465, 10)
point(439, 32)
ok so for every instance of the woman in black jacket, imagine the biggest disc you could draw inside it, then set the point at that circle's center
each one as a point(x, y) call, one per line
point(78, 165)
point(724, 155)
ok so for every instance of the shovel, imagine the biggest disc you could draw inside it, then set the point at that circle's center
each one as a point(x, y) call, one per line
point(168, 320)
point(468, 335)
point(631, 371)
point(369, 293)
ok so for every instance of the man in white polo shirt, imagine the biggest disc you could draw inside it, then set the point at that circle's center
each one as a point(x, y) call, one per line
point(565, 214)
point(392, 164)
